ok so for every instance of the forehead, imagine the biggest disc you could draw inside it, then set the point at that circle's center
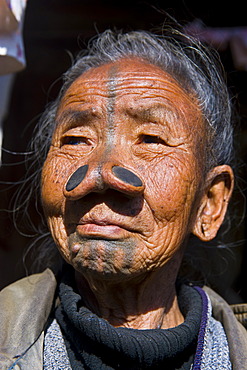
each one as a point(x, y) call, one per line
point(130, 83)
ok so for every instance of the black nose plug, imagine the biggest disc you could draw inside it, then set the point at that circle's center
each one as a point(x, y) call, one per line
point(77, 177)
point(121, 173)
point(126, 176)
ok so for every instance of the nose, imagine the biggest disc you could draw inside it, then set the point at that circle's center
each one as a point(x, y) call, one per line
point(100, 177)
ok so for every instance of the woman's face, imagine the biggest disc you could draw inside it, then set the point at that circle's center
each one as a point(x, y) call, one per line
point(132, 115)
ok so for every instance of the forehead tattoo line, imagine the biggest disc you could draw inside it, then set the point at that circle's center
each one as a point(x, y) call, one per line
point(111, 101)
point(111, 84)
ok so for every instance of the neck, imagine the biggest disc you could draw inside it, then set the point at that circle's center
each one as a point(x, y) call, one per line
point(148, 302)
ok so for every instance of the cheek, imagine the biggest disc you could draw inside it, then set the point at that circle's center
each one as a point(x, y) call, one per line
point(171, 190)
point(54, 176)
point(59, 235)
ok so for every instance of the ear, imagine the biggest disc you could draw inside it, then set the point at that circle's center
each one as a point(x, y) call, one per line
point(214, 202)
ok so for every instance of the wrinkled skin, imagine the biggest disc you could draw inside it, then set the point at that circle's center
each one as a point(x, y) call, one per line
point(126, 243)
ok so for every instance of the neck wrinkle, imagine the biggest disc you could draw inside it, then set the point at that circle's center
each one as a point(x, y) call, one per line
point(147, 303)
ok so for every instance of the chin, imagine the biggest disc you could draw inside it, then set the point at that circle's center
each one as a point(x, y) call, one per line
point(105, 259)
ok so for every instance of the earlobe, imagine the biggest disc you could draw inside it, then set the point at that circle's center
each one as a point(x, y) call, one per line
point(214, 202)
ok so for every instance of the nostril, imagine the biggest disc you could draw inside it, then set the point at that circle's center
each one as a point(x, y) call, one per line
point(76, 178)
point(127, 176)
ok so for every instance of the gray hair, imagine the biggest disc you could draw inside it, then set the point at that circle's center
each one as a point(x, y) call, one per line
point(197, 70)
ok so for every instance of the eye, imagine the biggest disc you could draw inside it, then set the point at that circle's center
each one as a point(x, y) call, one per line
point(75, 140)
point(151, 139)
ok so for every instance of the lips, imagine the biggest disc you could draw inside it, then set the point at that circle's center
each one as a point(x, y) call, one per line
point(101, 230)
point(104, 227)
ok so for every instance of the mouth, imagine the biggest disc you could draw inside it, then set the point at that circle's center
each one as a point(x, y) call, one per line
point(103, 229)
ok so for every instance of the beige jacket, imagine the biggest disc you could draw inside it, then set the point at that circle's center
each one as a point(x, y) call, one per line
point(26, 305)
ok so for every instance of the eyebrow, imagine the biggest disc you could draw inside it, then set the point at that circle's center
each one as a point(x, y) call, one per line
point(76, 117)
point(153, 113)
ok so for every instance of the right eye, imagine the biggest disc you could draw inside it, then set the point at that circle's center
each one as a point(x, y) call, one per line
point(75, 140)
point(151, 139)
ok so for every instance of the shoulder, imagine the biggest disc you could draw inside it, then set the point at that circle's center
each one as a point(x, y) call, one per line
point(235, 331)
point(32, 292)
point(24, 310)
point(29, 285)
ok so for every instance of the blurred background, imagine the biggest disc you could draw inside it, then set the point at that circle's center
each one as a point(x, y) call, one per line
point(51, 32)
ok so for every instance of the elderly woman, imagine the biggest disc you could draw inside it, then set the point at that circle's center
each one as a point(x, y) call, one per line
point(139, 141)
